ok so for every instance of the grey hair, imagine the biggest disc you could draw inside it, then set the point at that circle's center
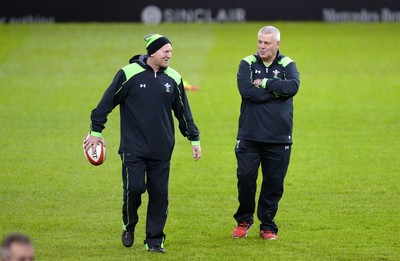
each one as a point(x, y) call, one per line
point(271, 30)
point(11, 239)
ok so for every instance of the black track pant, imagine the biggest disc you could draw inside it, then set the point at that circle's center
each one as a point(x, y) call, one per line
point(274, 160)
point(139, 174)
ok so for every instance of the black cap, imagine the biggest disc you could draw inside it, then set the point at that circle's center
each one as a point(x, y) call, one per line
point(155, 42)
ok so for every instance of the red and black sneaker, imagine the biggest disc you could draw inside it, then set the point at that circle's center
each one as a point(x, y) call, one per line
point(268, 235)
point(241, 229)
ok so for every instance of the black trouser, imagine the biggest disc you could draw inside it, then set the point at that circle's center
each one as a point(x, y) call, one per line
point(274, 160)
point(139, 174)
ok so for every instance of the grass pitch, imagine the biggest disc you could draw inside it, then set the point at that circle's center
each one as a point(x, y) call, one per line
point(342, 191)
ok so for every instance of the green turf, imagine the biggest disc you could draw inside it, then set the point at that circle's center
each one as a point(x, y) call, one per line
point(342, 195)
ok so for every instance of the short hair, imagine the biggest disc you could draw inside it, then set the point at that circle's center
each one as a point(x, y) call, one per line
point(11, 239)
point(271, 30)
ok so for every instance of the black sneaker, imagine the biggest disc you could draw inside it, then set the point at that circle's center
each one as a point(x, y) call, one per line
point(157, 249)
point(127, 238)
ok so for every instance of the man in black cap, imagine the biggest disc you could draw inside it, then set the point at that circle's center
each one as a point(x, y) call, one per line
point(147, 91)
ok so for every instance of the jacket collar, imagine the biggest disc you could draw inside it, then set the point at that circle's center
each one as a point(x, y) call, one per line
point(141, 59)
point(278, 57)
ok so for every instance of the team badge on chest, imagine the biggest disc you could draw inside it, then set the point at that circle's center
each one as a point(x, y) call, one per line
point(167, 87)
point(276, 72)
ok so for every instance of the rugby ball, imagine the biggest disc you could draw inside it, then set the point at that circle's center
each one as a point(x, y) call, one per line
point(96, 155)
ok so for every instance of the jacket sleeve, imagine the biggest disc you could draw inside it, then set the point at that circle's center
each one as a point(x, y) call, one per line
point(181, 108)
point(246, 87)
point(287, 87)
point(111, 98)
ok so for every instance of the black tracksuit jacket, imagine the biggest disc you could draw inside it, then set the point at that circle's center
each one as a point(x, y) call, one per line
point(266, 114)
point(147, 100)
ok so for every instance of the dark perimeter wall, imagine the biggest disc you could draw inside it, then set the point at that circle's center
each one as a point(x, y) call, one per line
point(204, 11)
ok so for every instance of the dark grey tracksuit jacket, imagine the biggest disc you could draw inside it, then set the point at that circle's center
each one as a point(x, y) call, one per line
point(266, 115)
point(147, 100)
